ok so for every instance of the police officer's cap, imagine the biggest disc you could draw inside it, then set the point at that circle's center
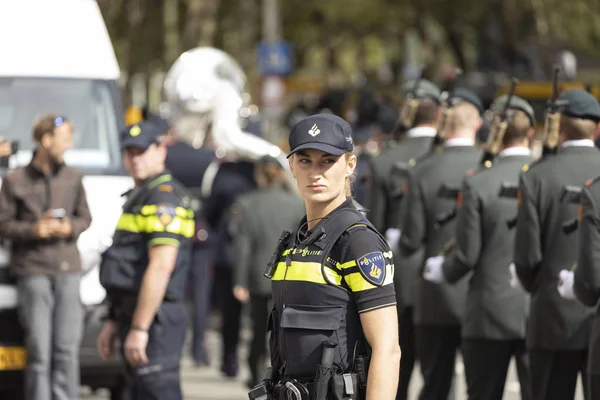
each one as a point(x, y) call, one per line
point(161, 123)
point(141, 135)
point(425, 90)
point(516, 103)
point(462, 94)
point(580, 104)
point(325, 132)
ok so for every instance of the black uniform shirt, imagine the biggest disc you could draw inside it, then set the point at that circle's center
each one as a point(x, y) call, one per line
point(309, 311)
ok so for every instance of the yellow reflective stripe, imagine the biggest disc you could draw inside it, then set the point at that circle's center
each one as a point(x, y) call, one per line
point(164, 241)
point(182, 212)
point(150, 224)
point(358, 283)
point(159, 180)
point(345, 265)
point(305, 272)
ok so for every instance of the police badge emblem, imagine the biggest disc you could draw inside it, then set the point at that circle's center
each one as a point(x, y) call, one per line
point(372, 267)
point(165, 213)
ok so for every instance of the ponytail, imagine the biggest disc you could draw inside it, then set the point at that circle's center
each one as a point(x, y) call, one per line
point(349, 179)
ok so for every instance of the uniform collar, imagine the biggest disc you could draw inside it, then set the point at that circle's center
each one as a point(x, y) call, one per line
point(303, 231)
point(578, 143)
point(454, 142)
point(515, 151)
point(421, 131)
point(157, 179)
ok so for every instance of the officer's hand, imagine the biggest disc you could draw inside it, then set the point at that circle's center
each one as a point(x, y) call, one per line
point(433, 269)
point(241, 294)
point(106, 342)
point(135, 348)
point(565, 284)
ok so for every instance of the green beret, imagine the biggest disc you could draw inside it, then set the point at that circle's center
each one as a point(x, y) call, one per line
point(462, 94)
point(425, 90)
point(580, 104)
point(516, 103)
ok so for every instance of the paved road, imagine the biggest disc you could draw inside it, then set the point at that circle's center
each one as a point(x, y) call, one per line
point(208, 384)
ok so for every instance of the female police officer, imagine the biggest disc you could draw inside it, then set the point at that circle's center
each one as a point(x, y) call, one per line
point(334, 328)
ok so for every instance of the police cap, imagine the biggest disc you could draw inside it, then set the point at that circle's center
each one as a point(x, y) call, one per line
point(141, 135)
point(161, 123)
point(325, 132)
point(580, 104)
point(516, 103)
point(462, 94)
point(425, 90)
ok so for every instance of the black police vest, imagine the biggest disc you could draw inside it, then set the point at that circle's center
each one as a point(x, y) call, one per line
point(124, 264)
point(307, 312)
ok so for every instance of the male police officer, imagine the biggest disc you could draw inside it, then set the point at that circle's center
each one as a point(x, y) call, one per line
point(378, 199)
point(145, 269)
point(493, 329)
point(439, 308)
point(558, 329)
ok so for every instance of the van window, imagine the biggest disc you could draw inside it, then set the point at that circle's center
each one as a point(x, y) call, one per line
point(88, 104)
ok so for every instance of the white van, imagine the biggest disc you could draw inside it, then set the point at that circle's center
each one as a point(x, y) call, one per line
point(57, 57)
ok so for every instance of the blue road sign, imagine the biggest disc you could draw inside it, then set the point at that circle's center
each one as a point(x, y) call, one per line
point(275, 58)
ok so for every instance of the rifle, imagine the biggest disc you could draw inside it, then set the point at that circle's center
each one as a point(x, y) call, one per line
point(498, 129)
point(411, 103)
point(446, 99)
point(552, 122)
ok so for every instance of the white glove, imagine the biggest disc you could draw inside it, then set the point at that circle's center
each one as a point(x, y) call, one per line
point(392, 236)
point(433, 269)
point(514, 279)
point(565, 284)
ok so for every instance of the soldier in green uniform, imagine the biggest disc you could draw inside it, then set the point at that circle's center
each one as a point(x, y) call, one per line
point(586, 282)
point(558, 329)
point(417, 142)
point(378, 199)
point(258, 219)
point(439, 308)
point(493, 329)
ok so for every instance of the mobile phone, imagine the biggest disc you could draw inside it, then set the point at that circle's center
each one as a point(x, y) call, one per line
point(58, 213)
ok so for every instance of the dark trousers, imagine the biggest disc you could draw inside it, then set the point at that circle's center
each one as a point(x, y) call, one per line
point(407, 347)
point(231, 310)
point(486, 366)
point(554, 373)
point(436, 350)
point(51, 313)
point(159, 379)
point(200, 285)
point(259, 312)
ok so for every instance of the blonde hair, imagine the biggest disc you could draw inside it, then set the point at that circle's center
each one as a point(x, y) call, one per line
point(349, 179)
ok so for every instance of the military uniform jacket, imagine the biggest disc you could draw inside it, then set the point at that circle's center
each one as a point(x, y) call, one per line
point(378, 198)
point(315, 303)
point(542, 249)
point(258, 219)
point(484, 245)
point(155, 213)
point(435, 305)
point(587, 273)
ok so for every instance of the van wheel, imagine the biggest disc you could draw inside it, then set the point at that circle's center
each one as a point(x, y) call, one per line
point(121, 392)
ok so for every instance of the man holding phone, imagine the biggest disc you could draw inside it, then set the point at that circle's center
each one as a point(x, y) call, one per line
point(43, 210)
